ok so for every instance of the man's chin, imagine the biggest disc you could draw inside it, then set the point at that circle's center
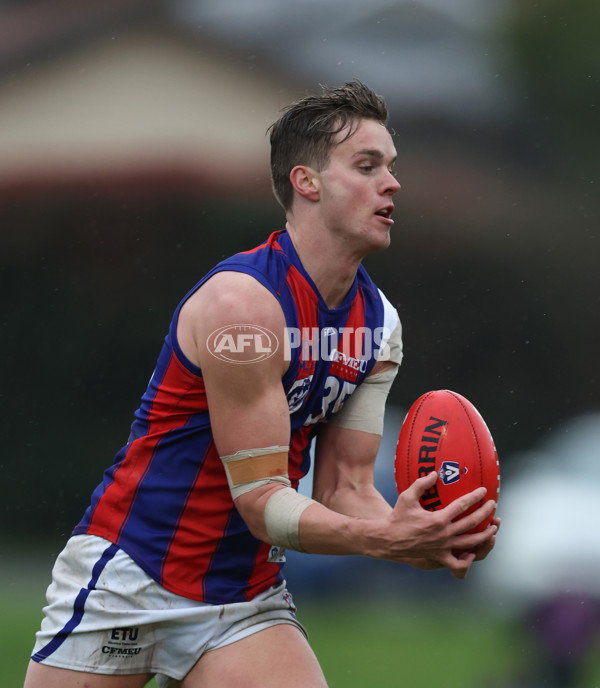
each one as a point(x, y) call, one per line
point(380, 242)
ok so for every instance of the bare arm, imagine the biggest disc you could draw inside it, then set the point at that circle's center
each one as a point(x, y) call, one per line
point(343, 478)
point(343, 481)
point(246, 401)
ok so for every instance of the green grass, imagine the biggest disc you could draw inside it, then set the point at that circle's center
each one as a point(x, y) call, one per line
point(360, 646)
point(405, 644)
point(395, 644)
point(402, 645)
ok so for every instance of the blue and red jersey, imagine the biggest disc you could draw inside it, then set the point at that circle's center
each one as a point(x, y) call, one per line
point(165, 499)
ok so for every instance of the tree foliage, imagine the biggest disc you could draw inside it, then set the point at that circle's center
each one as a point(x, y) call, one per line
point(555, 48)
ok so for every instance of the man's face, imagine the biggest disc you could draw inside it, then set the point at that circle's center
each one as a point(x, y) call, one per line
point(357, 186)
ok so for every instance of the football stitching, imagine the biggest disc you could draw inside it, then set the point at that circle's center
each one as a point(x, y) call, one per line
point(410, 436)
point(464, 408)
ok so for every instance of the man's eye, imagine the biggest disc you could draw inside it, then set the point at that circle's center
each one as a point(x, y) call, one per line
point(367, 168)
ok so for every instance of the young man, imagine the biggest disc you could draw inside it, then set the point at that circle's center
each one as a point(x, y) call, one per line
point(175, 569)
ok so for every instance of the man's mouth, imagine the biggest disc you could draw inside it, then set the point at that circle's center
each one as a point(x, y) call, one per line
point(385, 212)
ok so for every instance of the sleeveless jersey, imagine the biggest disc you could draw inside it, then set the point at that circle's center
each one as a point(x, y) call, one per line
point(165, 499)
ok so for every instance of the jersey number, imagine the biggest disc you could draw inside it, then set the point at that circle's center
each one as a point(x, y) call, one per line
point(336, 394)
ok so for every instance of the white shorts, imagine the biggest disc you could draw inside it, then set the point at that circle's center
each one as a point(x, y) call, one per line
point(105, 615)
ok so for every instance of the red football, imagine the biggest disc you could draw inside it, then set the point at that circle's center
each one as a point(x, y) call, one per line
point(444, 432)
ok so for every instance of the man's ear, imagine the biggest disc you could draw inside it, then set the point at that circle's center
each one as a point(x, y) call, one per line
point(306, 182)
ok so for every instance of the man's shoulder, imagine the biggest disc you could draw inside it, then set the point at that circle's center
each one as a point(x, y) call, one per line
point(267, 263)
point(231, 293)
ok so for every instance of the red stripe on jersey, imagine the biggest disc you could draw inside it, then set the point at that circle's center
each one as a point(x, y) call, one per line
point(307, 307)
point(300, 441)
point(115, 504)
point(209, 503)
point(351, 343)
point(271, 241)
point(356, 324)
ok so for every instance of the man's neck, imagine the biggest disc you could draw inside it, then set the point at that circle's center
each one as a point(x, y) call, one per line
point(331, 269)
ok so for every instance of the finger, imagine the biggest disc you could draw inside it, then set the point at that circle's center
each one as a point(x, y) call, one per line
point(473, 541)
point(482, 551)
point(459, 563)
point(472, 520)
point(464, 503)
point(421, 485)
point(466, 559)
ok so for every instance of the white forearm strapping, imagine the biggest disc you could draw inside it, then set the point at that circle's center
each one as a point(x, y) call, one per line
point(251, 468)
point(282, 517)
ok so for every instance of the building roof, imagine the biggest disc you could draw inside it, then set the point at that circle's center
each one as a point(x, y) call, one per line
point(128, 92)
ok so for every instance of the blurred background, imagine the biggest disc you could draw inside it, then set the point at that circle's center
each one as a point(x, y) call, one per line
point(134, 156)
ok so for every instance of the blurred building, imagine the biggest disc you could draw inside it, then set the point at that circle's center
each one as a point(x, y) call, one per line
point(431, 58)
point(120, 92)
point(189, 88)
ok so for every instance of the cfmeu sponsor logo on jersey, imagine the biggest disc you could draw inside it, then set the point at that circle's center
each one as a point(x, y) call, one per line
point(242, 343)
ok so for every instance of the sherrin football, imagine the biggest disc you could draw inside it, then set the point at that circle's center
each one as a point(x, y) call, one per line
point(444, 432)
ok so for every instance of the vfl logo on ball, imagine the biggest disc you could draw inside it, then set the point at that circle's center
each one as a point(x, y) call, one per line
point(449, 472)
point(242, 343)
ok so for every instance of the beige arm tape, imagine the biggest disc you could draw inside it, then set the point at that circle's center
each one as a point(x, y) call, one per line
point(248, 469)
point(365, 408)
point(282, 517)
point(391, 349)
point(251, 468)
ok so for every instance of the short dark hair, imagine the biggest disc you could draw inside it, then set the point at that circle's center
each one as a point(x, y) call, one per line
point(305, 132)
